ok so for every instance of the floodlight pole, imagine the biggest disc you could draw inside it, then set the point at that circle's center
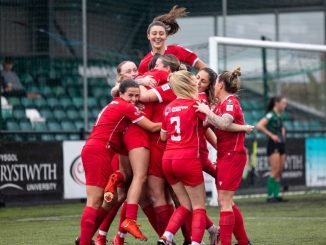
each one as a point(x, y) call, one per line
point(84, 20)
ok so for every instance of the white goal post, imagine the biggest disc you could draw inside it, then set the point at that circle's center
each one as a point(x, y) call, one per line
point(215, 41)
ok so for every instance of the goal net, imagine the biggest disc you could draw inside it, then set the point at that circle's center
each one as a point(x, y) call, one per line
point(296, 71)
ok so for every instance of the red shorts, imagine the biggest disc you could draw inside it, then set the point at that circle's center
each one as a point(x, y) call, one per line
point(155, 162)
point(208, 167)
point(229, 170)
point(97, 165)
point(187, 171)
point(135, 137)
point(115, 162)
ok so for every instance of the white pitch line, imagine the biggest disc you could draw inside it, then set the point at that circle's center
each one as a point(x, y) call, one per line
point(286, 218)
point(49, 218)
point(290, 193)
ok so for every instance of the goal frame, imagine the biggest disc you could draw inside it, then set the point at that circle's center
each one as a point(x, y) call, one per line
point(215, 41)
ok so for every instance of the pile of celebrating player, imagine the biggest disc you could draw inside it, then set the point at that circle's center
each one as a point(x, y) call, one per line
point(148, 148)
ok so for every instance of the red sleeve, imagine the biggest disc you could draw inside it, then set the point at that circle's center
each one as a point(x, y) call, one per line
point(164, 93)
point(163, 128)
point(185, 55)
point(133, 113)
point(160, 77)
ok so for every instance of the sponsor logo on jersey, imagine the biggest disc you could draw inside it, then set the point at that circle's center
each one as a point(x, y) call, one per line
point(167, 110)
point(166, 87)
point(229, 106)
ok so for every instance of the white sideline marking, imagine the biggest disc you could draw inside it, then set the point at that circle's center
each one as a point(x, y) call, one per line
point(290, 193)
point(286, 218)
point(49, 218)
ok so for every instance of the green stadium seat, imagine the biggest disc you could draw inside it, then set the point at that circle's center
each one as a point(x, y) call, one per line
point(18, 112)
point(47, 137)
point(25, 125)
point(79, 124)
point(47, 113)
point(100, 92)
point(40, 102)
point(47, 91)
point(14, 101)
point(66, 102)
point(75, 91)
point(245, 104)
point(53, 102)
point(95, 111)
point(78, 102)
point(59, 91)
point(68, 80)
point(27, 102)
point(92, 102)
point(74, 137)
point(104, 101)
point(73, 114)
point(54, 125)
point(59, 114)
point(68, 126)
point(61, 137)
point(26, 79)
point(6, 113)
point(40, 126)
point(314, 124)
point(12, 124)
point(32, 88)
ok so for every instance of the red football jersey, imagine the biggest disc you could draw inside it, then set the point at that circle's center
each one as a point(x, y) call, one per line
point(159, 76)
point(203, 144)
point(230, 141)
point(165, 95)
point(203, 98)
point(111, 123)
point(184, 55)
point(184, 127)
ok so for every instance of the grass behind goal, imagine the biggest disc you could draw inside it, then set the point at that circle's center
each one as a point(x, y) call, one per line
point(302, 220)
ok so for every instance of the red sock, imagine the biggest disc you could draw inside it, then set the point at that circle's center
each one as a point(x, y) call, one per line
point(209, 222)
point(177, 219)
point(186, 229)
point(163, 215)
point(226, 227)
point(87, 225)
point(106, 223)
point(122, 217)
point(131, 211)
point(239, 229)
point(198, 224)
point(100, 216)
point(150, 213)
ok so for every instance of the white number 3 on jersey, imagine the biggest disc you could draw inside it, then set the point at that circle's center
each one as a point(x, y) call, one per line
point(176, 136)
